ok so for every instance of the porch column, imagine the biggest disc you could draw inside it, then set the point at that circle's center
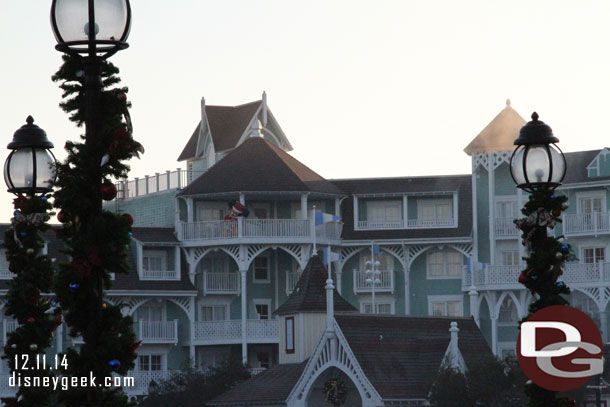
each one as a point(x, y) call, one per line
point(303, 206)
point(59, 338)
point(177, 262)
point(192, 331)
point(242, 198)
point(337, 207)
point(494, 335)
point(338, 274)
point(140, 258)
point(407, 293)
point(474, 310)
point(492, 210)
point(190, 212)
point(244, 316)
point(603, 316)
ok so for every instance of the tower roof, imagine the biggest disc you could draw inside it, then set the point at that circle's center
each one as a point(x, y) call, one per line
point(499, 134)
point(309, 295)
point(257, 165)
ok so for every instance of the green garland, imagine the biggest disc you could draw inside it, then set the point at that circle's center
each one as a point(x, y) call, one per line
point(25, 303)
point(95, 240)
point(546, 257)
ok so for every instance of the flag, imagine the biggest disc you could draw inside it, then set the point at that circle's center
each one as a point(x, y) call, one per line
point(469, 266)
point(375, 249)
point(330, 256)
point(321, 218)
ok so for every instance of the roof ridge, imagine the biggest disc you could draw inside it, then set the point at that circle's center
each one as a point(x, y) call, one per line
point(400, 177)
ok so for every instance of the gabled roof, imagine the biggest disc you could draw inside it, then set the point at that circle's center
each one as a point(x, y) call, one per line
point(258, 165)
point(309, 295)
point(577, 163)
point(499, 134)
point(227, 125)
point(401, 355)
point(270, 387)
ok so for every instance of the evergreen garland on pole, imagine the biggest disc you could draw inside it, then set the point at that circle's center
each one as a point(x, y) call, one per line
point(546, 256)
point(96, 240)
point(33, 271)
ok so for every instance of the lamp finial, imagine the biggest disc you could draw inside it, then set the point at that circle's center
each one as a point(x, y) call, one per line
point(535, 116)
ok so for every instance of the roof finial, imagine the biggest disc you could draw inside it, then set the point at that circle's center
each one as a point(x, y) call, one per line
point(29, 120)
point(507, 102)
point(535, 116)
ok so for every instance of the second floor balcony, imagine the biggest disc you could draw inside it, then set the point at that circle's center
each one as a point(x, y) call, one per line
point(229, 331)
point(505, 227)
point(258, 231)
point(221, 283)
point(386, 282)
point(501, 277)
point(586, 224)
point(150, 332)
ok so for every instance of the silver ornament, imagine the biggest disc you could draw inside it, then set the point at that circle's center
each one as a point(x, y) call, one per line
point(559, 255)
point(30, 251)
point(105, 160)
point(33, 346)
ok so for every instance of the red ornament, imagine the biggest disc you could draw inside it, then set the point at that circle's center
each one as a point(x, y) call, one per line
point(522, 279)
point(121, 136)
point(556, 213)
point(31, 319)
point(128, 217)
point(21, 202)
point(62, 217)
point(135, 345)
point(108, 191)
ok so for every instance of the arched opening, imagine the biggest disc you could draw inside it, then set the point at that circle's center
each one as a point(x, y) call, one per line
point(333, 384)
point(217, 273)
point(485, 320)
point(508, 327)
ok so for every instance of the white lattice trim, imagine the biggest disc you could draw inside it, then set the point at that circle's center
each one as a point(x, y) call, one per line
point(501, 157)
point(333, 352)
point(398, 251)
point(234, 253)
point(415, 251)
point(347, 253)
point(480, 160)
point(596, 295)
point(182, 302)
point(298, 252)
point(464, 248)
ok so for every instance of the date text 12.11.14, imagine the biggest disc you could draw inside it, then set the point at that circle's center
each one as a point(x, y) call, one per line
point(23, 362)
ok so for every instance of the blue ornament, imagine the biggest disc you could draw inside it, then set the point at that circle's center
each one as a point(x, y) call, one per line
point(560, 284)
point(73, 287)
point(44, 198)
point(534, 277)
point(114, 364)
point(23, 234)
point(564, 248)
point(553, 196)
point(16, 213)
point(130, 234)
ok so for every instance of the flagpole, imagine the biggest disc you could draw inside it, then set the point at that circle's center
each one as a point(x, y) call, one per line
point(373, 279)
point(315, 250)
point(329, 264)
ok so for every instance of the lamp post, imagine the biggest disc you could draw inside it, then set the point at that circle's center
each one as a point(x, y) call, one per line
point(538, 166)
point(372, 274)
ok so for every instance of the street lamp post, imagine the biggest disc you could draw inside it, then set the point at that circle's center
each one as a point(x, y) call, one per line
point(538, 166)
point(372, 274)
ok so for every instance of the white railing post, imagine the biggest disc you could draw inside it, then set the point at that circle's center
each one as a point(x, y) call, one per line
point(240, 227)
point(140, 330)
point(600, 267)
point(157, 181)
point(179, 178)
point(137, 186)
point(146, 185)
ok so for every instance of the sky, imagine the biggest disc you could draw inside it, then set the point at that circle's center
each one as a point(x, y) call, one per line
point(361, 88)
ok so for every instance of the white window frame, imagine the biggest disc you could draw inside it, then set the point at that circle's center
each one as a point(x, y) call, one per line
point(445, 298)
point(155, 253)
point(384, 301)
point(516, 309)
point(262, 301)
point(261, 281)
point(506, 200)
point(590, 195)
point(260, 205)
point(445, 275)
point(149, 304)
point(204, 305)
point(582, 253)
point(221, 206)
point(393, 224)
point(150, 355)
point(505, 251)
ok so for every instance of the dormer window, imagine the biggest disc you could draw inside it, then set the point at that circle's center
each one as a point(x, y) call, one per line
point(159, 263)
point(434, 212)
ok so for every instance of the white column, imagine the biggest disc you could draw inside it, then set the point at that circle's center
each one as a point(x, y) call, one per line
point(407, 292)
point(603, 316)
point(177, 262)
point(475, 232)
point(192, 331)
point(337, 207)
point(474, 310)
point(242, 198)
point(303, 206)
point(405, 211)
point(276, 279)
point(244, 316)
point(59, 333)
point(519, 206)
point(455, 209)
point(190, 212)
point(338, 274)
point(356, 226)
point(492, 212)
point(494, 335)
point(140, 258)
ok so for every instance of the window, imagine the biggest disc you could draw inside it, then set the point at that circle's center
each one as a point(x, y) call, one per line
point(506, 209)
point(148, 363)
point(262, 308)
point(261, 269)
point(508, 313)
point(150, 313)
point(382, 308)
point(593, 254)
point(380, 213)
point(510, 257)
point(445, 264)
point(154, 260)
point(260, 211)
point(208, 211)
point(289, 330)
point(588, 205)
point(214, 313)
point(434, 211)
point(445, 305)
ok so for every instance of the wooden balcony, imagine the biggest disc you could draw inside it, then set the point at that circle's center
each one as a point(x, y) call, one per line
point(499, 277)
point(229, 331)
point(386, 282)
point(220, 283)
point(409, 224)
point(586, 224)
point(257, 231)
point(160, 275)
point(161, 332)
point(505, 227)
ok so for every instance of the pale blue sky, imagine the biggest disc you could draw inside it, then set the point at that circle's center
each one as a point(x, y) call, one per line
point(361, 88)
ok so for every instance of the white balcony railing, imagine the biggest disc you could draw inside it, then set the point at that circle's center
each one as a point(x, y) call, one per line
point(213, 229)
point(221, 283)
point(157, 331)
point(143, 380)
point(276, 228)
point(229, 331)
point(499, 276)
point(159, 182)
point(9, 325)
point(380, 225)
point(292, 278)
point(386, 282)
point(588, 223)
point(431, 223)
point(5, 274)
point(505, 227)
point(400, 224)
point(160, 275)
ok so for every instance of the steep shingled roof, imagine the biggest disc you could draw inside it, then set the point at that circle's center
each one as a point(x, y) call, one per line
point(499, 134)
point(401, 355)
point(309, 295)
point(227, 125)
point(258, 165)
